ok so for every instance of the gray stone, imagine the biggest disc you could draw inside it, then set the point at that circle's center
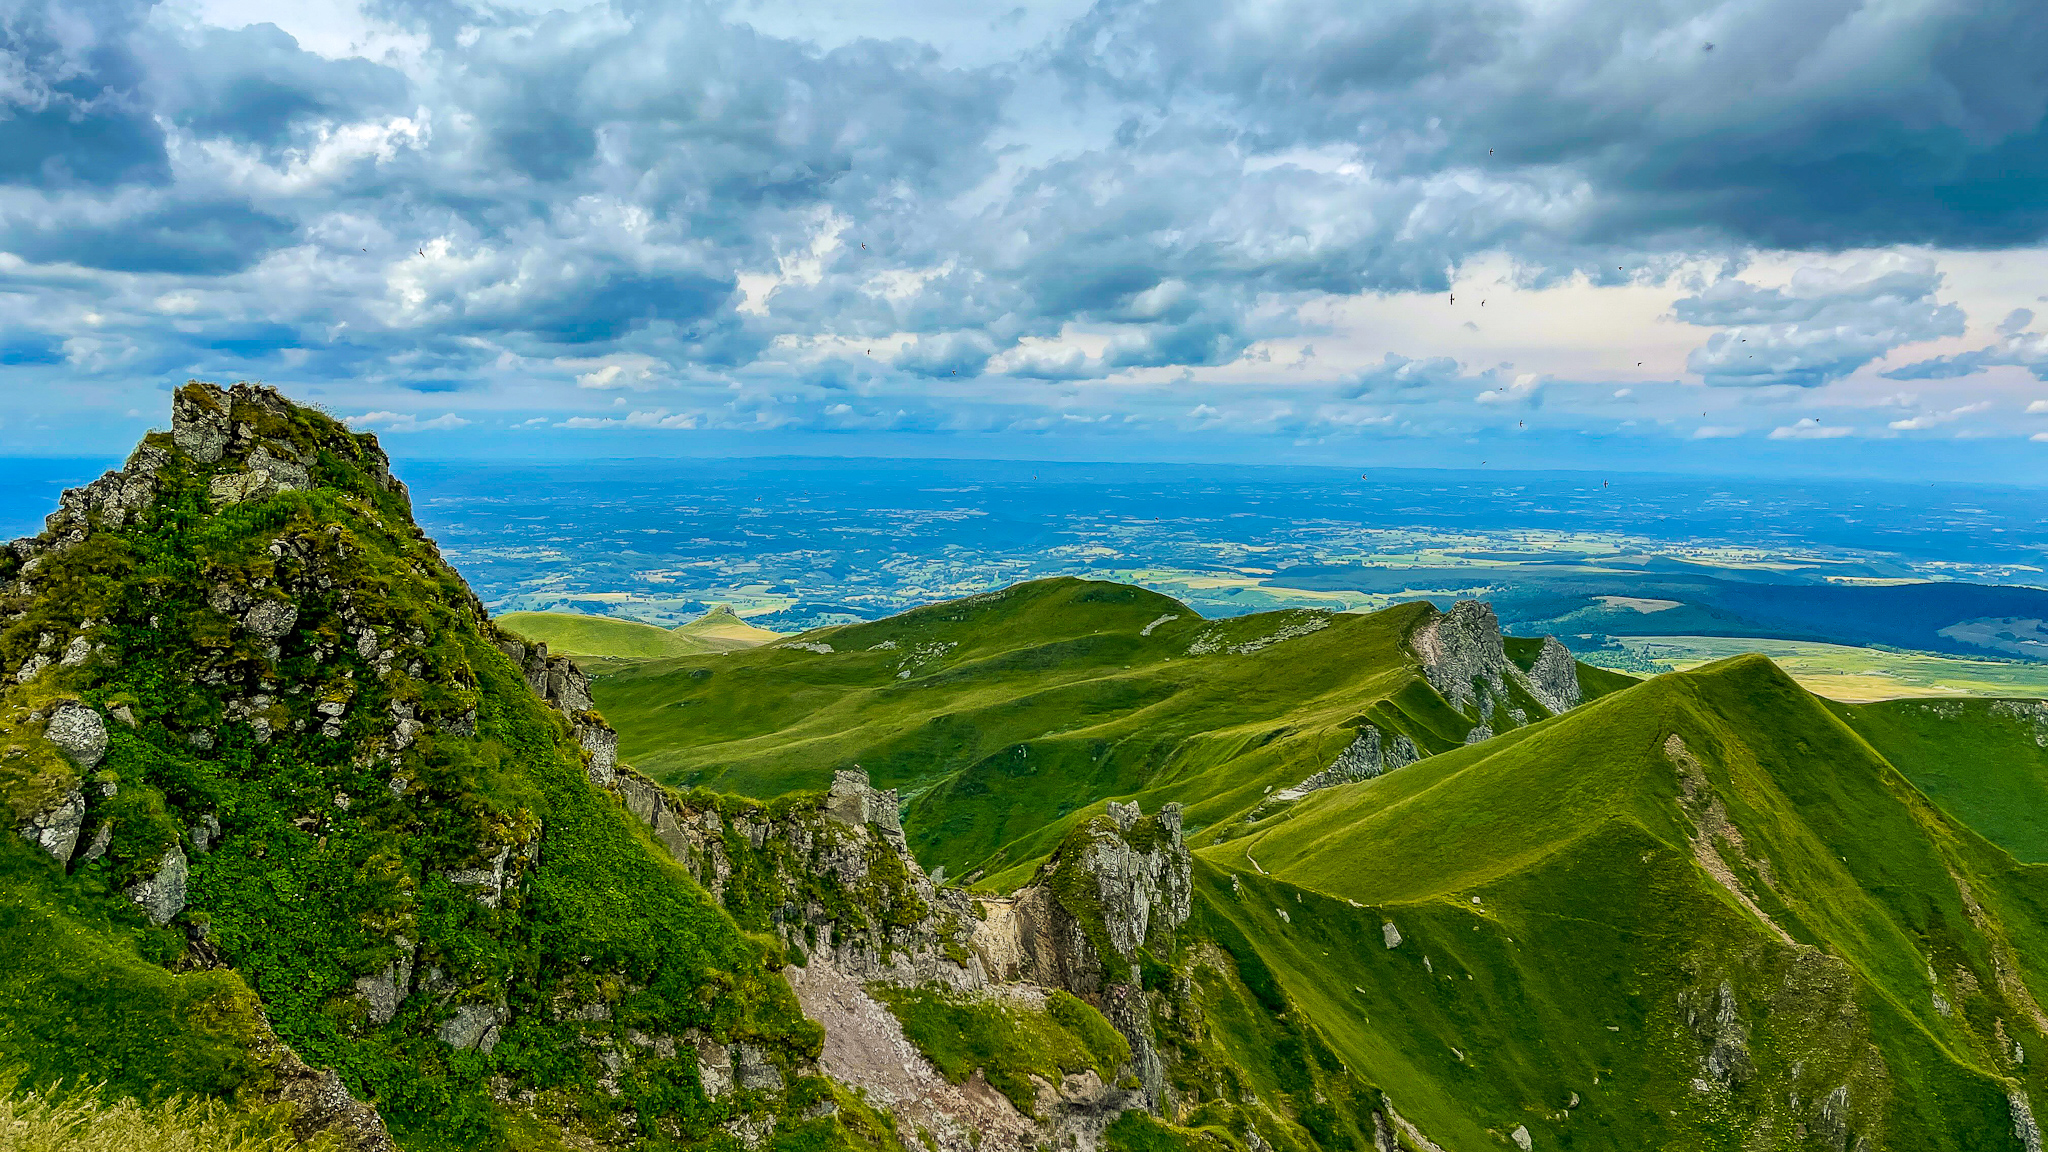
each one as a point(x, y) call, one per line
point(1390, 934)
point(753, 1071)
point(205, 833)
point(603, 745)
point(852, 801)
point(79, 733)
point(199, 422)
point(76, 653)
point(473, 1026)
point(1554, 679)
point(55, 829)
point(162, 896)
point(714, 1067)
point(1521, 1137)
point(272, 619)
point(101, 837)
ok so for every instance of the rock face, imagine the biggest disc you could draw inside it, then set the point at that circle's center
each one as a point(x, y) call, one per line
point(55, 829)
point(1371, 753)
point(1465, 659)
point(162, 896)
point(1120, 882)
point(831, 876)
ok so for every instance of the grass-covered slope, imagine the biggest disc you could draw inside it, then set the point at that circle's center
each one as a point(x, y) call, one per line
point(570, 634)
point(391, 838)
point(1984, 761)
point(1530, 933)
point(1005, 717)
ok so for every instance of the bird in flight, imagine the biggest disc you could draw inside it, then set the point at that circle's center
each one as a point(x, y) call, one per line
point(1709, 47)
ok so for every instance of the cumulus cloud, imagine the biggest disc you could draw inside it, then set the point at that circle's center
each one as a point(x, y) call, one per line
point(1822, 326)
point(1811, 429)
point(405, 422)
point(1401, 378)
point(639, 197)
point(1526, 388)
point(2028, 350)
point(1934, 419)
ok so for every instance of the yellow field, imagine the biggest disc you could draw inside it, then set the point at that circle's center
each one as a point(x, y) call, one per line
point(1842, 672)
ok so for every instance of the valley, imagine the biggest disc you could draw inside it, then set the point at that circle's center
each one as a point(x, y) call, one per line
point(307, 831)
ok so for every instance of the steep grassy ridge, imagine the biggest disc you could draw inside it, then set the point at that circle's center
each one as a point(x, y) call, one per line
point(1562, 959)
point(295, 696)
point(569, 634)
point(1005, 717)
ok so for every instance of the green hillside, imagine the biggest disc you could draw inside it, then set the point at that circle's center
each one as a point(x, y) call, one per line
point(1005, 717)
point(283, 783)
point(1984, 761)
point(1561, 957)
point(719, 630)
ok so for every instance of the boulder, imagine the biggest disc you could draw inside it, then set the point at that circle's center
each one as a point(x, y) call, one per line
point(55, 829)
point(272, 619)
point(79, 733)
point(162, 896)
point(473, 1025)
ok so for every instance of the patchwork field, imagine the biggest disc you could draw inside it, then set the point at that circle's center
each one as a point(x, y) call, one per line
point(1845, 672)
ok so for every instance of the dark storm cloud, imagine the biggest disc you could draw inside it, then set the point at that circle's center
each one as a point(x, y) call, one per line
point(1808, 123)
point(255, 85)
point(73, 107)
point(197, 239)
point(522, 189)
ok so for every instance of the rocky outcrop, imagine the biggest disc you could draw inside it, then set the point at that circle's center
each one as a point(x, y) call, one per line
point(55, 829)
point(1119, 883)
point(1465, 659)
point(322, 1108)
point(830, 876)
point(162, 894)
point(1371, 753)
point(1554, 679)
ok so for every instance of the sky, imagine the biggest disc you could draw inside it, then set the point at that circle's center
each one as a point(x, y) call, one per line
point(1781, 237)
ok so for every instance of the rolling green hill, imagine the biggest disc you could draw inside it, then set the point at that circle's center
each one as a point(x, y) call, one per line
point(1006, 717)
point(569, 634)
point(1984, 761)
point(1701, 912)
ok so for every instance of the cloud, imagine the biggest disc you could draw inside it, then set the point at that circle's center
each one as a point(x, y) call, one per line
point(1400, 378)
point(1814, 124)
point(2028, 350)
point(1934, 419)
point(2037, 407)
point(1721, 432)
point(1822, 326)
point(2016, 321)
point(653, 418)
point(1526, 389)
point(1810, 429)
point(402, 422)
point(947, 354)
point(636, 197)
